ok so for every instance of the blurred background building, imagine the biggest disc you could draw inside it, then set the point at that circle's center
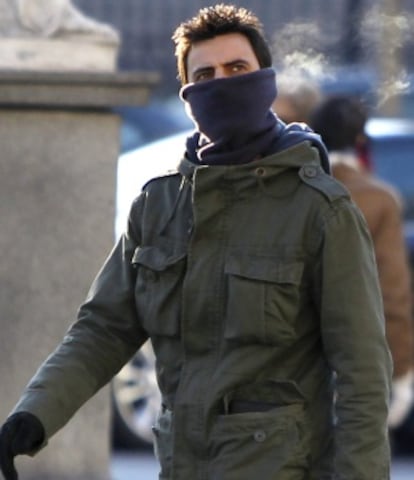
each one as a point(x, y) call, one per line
point(344, 32)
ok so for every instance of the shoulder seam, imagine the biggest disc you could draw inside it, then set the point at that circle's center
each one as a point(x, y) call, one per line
point(316, 178)
point(167, 173)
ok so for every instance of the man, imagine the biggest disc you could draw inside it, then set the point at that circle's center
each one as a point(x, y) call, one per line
point(340, 120)
point(254, 276)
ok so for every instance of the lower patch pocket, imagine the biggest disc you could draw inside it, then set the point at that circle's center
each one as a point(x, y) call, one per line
point(259, 445)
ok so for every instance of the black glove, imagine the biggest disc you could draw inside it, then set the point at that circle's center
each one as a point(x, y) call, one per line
point(21, 433)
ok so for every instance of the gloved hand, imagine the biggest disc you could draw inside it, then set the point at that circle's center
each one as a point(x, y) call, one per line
point(402, 399)
point(21, 433)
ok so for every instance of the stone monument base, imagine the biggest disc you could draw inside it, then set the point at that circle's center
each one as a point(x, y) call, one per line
point(59, 149)
point(46, 54)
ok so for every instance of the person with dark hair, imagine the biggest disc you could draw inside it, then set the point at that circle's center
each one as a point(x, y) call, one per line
point(297, 96)
point(341, 120)
point(211, 23)
point(253, 275)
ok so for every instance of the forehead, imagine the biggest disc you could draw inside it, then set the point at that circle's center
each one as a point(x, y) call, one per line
point(220, 50)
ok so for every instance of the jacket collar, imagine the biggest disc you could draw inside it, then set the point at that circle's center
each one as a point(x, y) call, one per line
point(295, 157)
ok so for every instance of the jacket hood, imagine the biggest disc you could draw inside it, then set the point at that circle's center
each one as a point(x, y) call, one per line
point(294, 157)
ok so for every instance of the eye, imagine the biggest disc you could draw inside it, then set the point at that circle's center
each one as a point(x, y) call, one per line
point(203, 75)
point(240, 67)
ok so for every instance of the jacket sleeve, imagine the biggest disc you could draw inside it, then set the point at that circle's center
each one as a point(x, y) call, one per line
point(353, 335)
point(105, 336)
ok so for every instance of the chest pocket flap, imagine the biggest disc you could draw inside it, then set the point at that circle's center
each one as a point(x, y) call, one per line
point(264, 298)
point(155, 258)
point(160, 274)
point(265, 269)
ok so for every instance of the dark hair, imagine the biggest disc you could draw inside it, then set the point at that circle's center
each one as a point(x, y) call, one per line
point(219, 20)
point(340, 121)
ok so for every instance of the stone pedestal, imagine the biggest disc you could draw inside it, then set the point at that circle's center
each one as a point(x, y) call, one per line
point(52, 55)
point(58, 151)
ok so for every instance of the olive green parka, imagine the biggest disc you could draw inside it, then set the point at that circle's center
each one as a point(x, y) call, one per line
point(258, 287)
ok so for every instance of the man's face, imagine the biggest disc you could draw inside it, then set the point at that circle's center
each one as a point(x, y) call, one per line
point(222, 56)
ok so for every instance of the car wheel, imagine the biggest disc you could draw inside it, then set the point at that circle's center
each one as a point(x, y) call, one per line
point(135, 401)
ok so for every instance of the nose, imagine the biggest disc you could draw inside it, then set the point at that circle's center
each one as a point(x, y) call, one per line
point(220, 72)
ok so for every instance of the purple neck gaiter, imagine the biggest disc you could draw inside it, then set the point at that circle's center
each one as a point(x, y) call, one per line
point(233, 117)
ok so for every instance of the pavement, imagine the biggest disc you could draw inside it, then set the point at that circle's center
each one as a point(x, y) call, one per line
point(139, 465)
point(135, 465)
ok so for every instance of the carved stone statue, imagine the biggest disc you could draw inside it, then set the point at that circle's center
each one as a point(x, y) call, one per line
point(54, 35)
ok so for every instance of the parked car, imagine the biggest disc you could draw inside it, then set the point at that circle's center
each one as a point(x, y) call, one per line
point(135, 393)
point(150, 122)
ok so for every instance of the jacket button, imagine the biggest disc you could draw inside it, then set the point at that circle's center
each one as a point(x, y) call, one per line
point(260, 436)
point(260, 171)
point(310, 171)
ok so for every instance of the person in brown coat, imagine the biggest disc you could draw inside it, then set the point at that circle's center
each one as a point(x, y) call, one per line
point(340, 120)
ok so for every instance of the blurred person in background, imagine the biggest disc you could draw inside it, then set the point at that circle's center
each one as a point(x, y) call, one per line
point(340, 120)
point(297, 96)
point(253, 275)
